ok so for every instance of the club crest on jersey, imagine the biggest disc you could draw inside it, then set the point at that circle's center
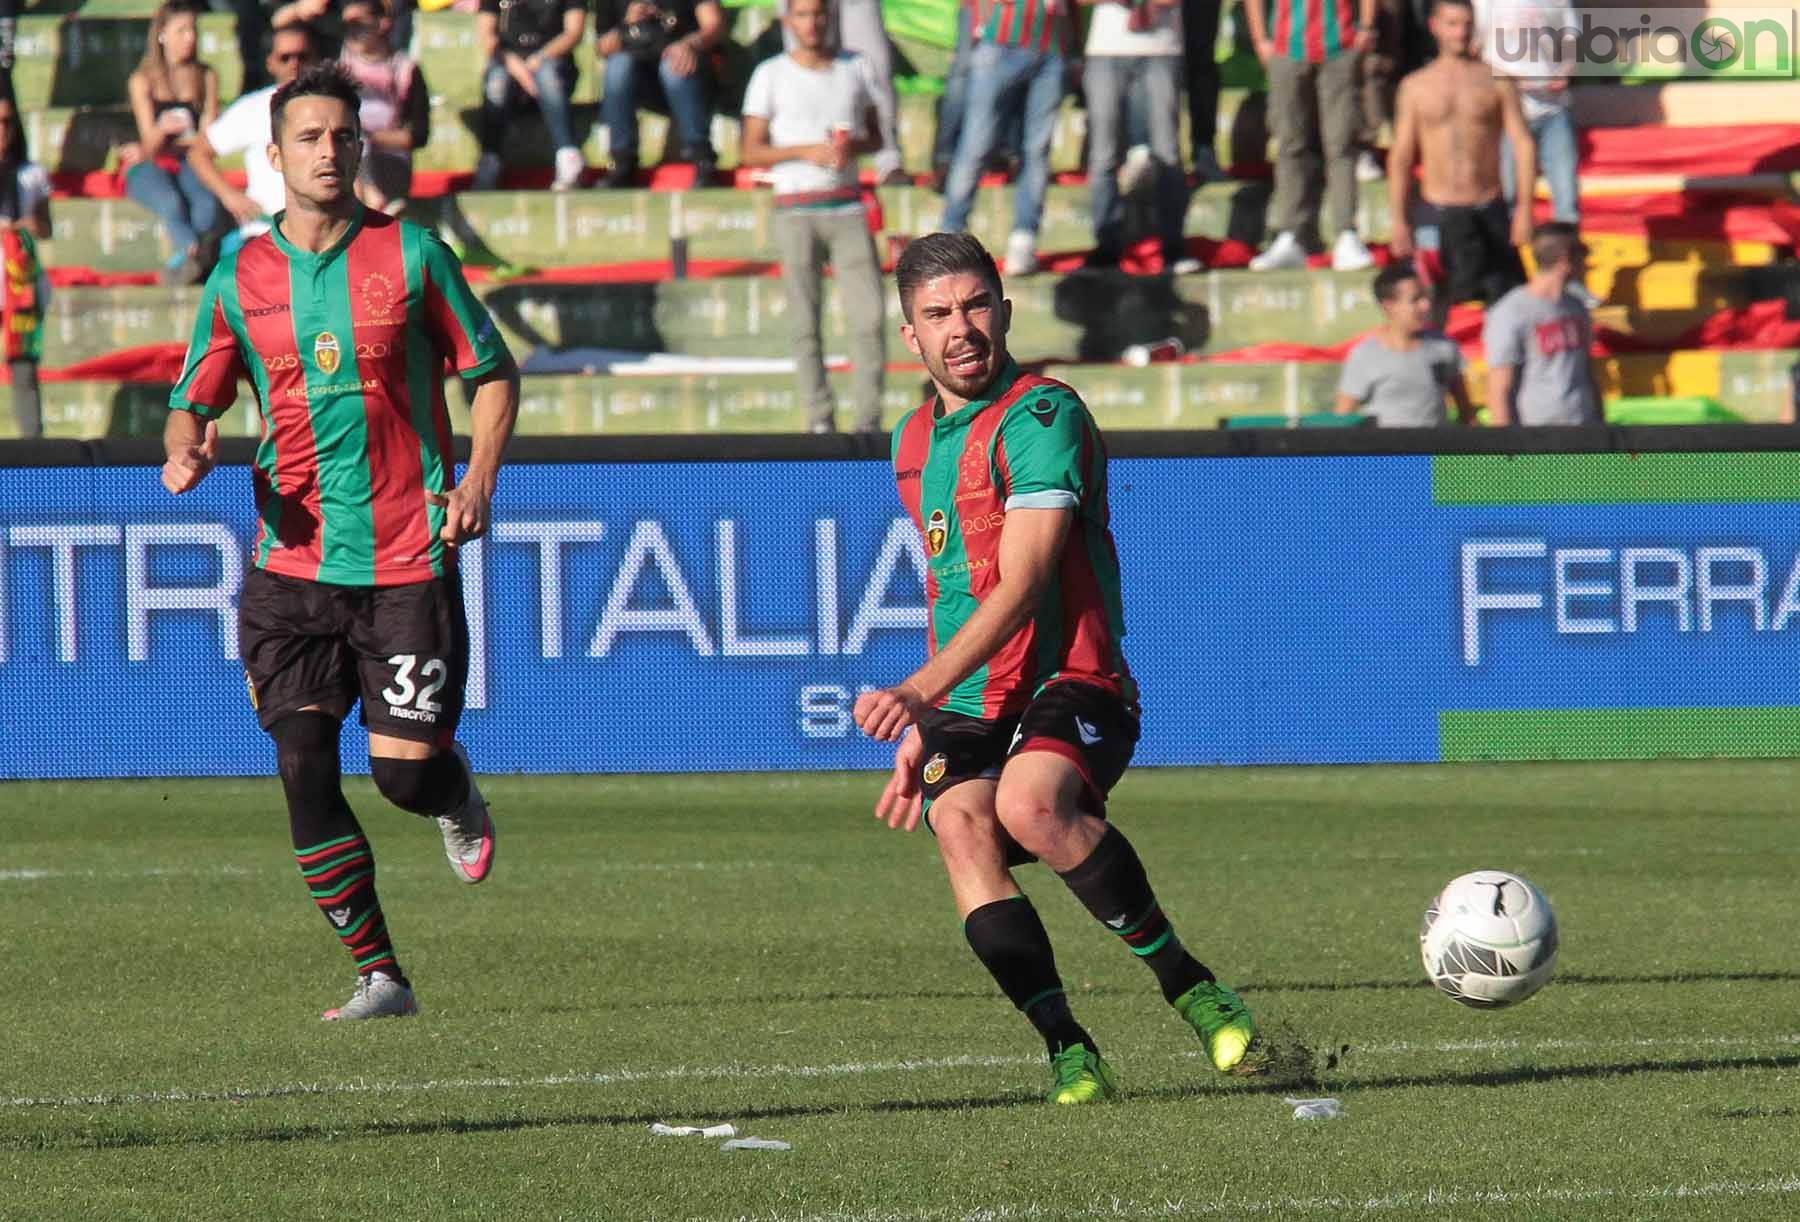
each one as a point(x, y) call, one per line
point(378, 297)
point(937, 532)
point(934, 769)
point(325, 352)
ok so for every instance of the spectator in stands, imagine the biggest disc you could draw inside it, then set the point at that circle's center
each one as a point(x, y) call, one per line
point(1200, 51)
point(1401, 374)
point(1449, 119)
point(1539, 66)
point(651, 48)
point(396, 105)
point(1134, 48)
point(857, 29)
point(244, 128)
point(529, 48)
point(953, 104)
point(1538, 338)
point(1311, 57)
point(1381, 68)
point(807, 115)
point(24, 221)
point(1019, 47)
point(173, 96)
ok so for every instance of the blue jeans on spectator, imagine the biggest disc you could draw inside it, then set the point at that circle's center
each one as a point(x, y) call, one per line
point(629, 80)
point(501, 96)
point(181, 201)
point(1112, 84)
point(953, 104)
point(997, 75)
point(1558, 160)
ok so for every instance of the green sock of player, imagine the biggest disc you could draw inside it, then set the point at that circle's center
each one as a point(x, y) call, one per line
point(1011, 943)
point(1113, 886)
point(334, 857)
point(340, 874)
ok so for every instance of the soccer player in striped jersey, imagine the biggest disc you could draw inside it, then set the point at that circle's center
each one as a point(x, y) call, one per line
point(343, 321)
point(1024, 713)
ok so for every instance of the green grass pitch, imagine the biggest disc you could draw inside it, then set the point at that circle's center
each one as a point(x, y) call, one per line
point(758, 950)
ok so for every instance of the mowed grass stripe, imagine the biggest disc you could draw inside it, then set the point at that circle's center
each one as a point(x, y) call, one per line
point(905, 1065)
point(1431, 1201)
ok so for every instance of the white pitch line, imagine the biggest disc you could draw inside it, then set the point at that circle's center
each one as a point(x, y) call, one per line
point(842, 1069)
point(1431, 1199)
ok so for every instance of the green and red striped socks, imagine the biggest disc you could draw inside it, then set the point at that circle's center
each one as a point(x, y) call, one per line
point(1112, 884)
point(340, 873)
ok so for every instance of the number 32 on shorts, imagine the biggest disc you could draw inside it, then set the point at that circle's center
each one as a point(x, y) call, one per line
point(432, 675)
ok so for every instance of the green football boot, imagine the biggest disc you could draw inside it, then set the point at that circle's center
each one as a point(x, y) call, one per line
point(1223, 1023)
point(1081, 1076)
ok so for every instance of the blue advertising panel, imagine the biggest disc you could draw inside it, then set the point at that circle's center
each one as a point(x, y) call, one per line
point(719, 616)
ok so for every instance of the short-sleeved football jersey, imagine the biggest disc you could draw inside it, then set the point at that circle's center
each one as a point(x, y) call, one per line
point(346, 352)
point(1031, 445)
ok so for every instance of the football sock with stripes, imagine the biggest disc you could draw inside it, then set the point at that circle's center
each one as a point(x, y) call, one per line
point(1113, 886)
point(1011, 943)
point(334, 857)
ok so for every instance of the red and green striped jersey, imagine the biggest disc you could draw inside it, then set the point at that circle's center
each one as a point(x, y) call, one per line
point(1030, 445)
point(1312, 31)
point(1035, 25)
point(346, 353)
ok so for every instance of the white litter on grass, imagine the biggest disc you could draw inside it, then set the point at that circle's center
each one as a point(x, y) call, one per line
point(660, 1129)
point(755, 1143)
point(1315, 1109)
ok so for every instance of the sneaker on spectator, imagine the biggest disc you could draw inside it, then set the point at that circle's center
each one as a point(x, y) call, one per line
point(1284, 252)
point(487, 172)
point(1021, 253)
point(1348, 254)
point(1207, 168)
point(1135, 173)
point(622, 174)
point(569, 166)
point(1370, 167)
point(896, 177)
point(706, 166)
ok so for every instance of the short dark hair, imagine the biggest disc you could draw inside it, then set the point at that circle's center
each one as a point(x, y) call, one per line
point(321, 80)
point(1438, 4)
point(1389, 279)
point(941, 254)
point(1555, 241)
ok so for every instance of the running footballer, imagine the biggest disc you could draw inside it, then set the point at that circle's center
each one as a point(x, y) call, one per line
point(344, 321)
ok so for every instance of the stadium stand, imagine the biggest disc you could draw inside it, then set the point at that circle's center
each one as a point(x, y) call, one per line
point(1687, 190)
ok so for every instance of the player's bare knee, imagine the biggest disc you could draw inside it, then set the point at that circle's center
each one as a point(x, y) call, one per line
point(1029, 817)
point(434, 786)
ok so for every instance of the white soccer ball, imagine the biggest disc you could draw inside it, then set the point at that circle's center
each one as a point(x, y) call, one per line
point(1489, 940)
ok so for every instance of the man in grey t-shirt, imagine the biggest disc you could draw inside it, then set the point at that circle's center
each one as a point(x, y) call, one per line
point(1537, 339)
point(1401, 373)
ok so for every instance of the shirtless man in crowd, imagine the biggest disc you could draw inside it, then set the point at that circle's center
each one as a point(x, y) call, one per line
point(1449, 118)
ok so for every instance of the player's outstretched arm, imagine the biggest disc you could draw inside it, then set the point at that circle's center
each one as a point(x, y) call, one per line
point(901, 802)
point(495, 409)
point(1031, 542)
point(192, 447)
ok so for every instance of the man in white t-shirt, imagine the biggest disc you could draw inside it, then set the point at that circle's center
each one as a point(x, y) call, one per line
point(1532, 41)
point(1135, 48)
point(244, 128)
point(808, 114)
